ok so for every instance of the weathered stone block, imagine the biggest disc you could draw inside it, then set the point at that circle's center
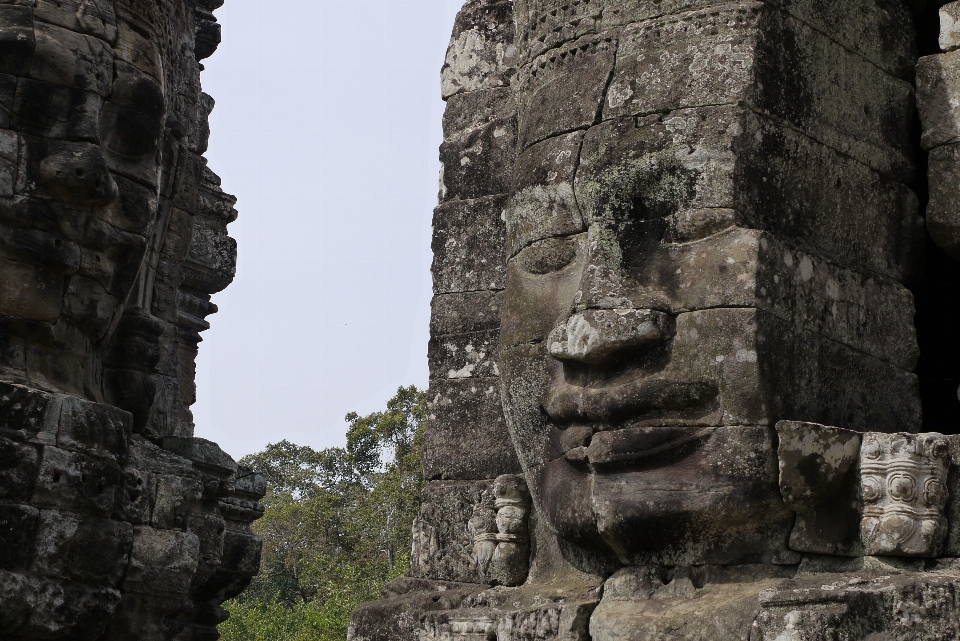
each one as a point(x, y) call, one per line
point(542, 25)
point(66, 610)
point(209, 527)
point(772, 177)
point(87, 549)
point(461, 356)
point(819, 606)
point(135, 36)
point(18, 598)
point(54, 111)
point(563, 90)
point(147, 617)
point(943, 208)
point(161, 561)
point(145, 455)
point(29, 292)
point(542, 204)
point(94, 428)
point(938, 86)
point(78, 16)
point(803, 192)
point(882, 35)
point(241, 552)
point(694, 69)
point(750, 53)
point(133, 211)
point(681, 603)
point(175, 496)
point(212, 260)
point(950, 26)
point(564, 617)
point(135, 496)
point(67, 58)
point(476, 109)
point(735, 367)
point(8, 89)
point(18, 470)
point(77, 482)
point(397, 618)
point(132, 123)
point(74, 172)
point(200, 451)
point(951, 546)
point(17, 39)
point(18, 530)
point(468, 246)
point(652, 517)
point(819, 481)
point(477, 163)
point(467, 411)
point(465, 312)
point(481, 52)
point(29, 414)
point(745, 268)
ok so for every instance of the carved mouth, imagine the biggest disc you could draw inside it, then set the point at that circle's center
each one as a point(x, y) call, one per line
point(650, 446)
point(620, 405)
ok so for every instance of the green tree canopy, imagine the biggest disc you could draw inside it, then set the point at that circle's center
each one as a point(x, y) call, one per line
point(336, 525)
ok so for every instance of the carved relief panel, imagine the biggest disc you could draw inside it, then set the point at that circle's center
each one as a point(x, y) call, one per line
point(904, 490)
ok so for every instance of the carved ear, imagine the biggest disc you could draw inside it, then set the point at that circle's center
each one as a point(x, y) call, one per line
point(819, 481)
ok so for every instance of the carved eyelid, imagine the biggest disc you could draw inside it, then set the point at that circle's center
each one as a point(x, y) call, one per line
point(548, 255)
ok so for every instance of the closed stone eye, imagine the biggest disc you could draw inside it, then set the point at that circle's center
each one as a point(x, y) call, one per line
point(547, 256)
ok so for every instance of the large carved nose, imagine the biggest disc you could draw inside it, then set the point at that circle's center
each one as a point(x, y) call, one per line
point(78, 174)
point(595, 335)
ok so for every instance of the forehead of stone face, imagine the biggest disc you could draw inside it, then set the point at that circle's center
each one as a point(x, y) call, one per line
point(139, 36)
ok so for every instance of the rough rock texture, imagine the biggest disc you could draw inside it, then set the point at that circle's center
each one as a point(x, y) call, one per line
point(115, 521)
point(723, 333)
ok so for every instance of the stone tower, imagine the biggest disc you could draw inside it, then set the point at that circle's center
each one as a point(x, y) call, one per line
point(115, 521)
point(693, 352)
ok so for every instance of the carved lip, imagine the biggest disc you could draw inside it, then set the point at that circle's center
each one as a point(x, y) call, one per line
point(618, 405)
point(655, 445)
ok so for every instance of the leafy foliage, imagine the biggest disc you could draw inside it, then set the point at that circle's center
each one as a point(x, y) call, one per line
point(336, 526)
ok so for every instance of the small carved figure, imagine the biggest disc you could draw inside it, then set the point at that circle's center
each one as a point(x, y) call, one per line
point(483, 528)
point(499, 528)
point(904, 490)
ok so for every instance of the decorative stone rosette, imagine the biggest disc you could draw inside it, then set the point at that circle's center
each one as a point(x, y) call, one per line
point(501, 543)
point(904, 491)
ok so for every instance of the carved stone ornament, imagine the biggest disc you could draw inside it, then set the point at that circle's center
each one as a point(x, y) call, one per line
point(473, 629)
point(903, 484)
point(499, 527)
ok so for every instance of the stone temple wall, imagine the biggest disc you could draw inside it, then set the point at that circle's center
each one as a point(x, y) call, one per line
point(693, 347)
point(469, 275)
point(115, 521)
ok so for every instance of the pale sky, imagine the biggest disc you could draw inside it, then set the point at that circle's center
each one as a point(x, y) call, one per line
point(326, 129)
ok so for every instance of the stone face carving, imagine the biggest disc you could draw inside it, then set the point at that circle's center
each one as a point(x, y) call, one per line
point(116, 522)
point(719, 293)
point(904, 490)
